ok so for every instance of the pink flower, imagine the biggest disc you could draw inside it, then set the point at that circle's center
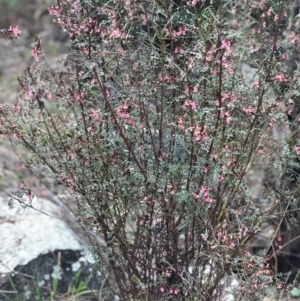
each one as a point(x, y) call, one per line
point(297, 149)
point(79, 97)
point(200, 133)
point(15, 31)
point(72, 190)
point(197, 133)
point(254, 49)
point(85, 51)
point(204, 193)
point(260, 150)
point(72, 156)
point(162, 289)
point(86, 162)
point(190, 104)
point(226, 45)
point(228, 117)
point(280, 285)
point(49, 96)
point(248, 110)
point(181, 31)
point(17, 110)
point(193, 2)
point(270, 11)
point(94, 115)
point(55, 11)
point(35, 53)
point(272, 122)
point(256, 84)
point(22, 185)
point(144, 19)
point(179, 50)
point(280, 77)
point(230, 162)
point(30, 93)
point(293, 39)
point(245, 232)
point(161, 156)
point(181, 124)
point(115, 33)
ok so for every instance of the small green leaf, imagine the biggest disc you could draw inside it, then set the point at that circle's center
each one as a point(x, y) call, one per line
point(295, 292)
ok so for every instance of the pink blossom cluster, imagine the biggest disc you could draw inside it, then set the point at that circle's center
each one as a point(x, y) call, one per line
point(68, 182)
point(17, 110)
point(280, 77)
point(226, 115)
point(115, 33)
point(210, 54)
point(85, 51)
point(16, 32)
point(78, 97)
point(172, 188)
point(123, 112)
point(182, 31)
point(200, 133)
point(94, 115)
point(36, 53)
point(228, 97)
point(249, 110)
point(193, 2)
point(72, 156)
point(226, 44)
point(189, 104)
point(165, 78)
point(272, 123)
point(30, 93)
point(297, 149)
point(260, 4)
point(226, 238)
point(204, 194)
point(181, 124)
point(55, 11)
point(179, 50)
point(172, 291)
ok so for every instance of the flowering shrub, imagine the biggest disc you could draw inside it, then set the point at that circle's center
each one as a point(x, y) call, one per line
point(153, 127)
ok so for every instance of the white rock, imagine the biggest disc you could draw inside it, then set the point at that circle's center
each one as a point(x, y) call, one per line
point(26, 233)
